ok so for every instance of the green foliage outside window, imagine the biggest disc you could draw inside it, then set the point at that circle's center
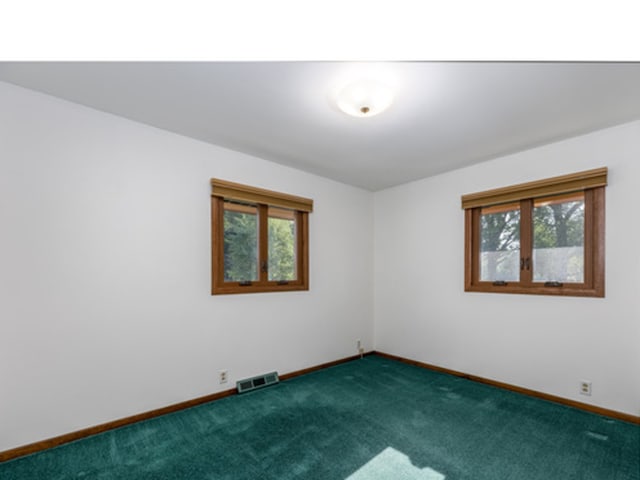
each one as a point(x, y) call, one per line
point(241, 247)
point(500, 245)
point(557, 226)
point(282, 252)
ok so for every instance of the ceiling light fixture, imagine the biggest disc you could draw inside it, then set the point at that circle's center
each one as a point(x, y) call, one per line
point(364, 98)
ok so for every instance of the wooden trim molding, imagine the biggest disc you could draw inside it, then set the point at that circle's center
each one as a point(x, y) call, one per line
point(246, 193)
point(104, 427)
point(86, 432)
point(540, 188)
point(627, 417)
point(264, 204)
point(262, 283)
point(304, 371)
point(593, 282)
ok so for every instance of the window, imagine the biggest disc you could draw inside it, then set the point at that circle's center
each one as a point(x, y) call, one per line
point(544, 237)
point(259, 239)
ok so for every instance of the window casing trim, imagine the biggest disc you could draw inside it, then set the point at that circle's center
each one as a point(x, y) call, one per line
point(262, 199)
point(541, 188)
point(245, 193)
point(593, 184)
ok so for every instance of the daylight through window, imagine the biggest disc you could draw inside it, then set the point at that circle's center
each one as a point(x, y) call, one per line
point(259, 239)
point(544, 237)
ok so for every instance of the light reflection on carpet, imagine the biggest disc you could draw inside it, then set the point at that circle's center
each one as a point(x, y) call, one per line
point(391, 463)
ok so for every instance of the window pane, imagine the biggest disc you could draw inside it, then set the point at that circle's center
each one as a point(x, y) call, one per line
point(500, 243)
point(558, 239)
point(240, 242)
point(282, 244)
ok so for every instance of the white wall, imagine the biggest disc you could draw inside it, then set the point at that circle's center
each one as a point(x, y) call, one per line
point(105, 308)
point(543, 343)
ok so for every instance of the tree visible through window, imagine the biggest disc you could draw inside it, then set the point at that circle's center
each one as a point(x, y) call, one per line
point(282, 244)
point(260, 239)
point(240, 243)
point(558, 239)
point(544, 237)
point(500, 242)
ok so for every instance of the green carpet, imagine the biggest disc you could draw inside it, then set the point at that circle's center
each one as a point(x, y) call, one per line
point(368, 419)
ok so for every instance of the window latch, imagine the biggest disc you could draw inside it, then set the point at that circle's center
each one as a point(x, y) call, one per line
point(283, 282)
point(499, 283)
point(245, 283)
point(264, 267)
point(552, 284)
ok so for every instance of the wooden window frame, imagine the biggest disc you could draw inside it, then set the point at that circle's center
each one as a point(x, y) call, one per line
point(592, 183)
point(221, 191)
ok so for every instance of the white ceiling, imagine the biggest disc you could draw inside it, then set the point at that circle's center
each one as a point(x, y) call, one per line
point(446, 115)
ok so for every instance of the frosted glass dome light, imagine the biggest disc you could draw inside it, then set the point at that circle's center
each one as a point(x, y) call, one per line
point(364, 98)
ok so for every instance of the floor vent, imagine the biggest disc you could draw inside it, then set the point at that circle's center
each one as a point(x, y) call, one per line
point(260, 381)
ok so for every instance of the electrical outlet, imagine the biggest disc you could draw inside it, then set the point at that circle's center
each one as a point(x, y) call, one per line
point(223, 376)
point(585, 387)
